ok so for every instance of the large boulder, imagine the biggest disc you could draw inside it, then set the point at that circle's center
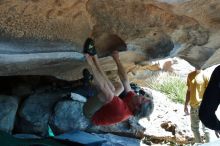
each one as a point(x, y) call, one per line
point(34, 114)
point(213, 60)
point(58, 59)
point(32, 57)
point(8, 109)
point(156, 45)
point(149, 25)
point(205, 13)
point(68, 116)
point(52, 20)
point(197, 55)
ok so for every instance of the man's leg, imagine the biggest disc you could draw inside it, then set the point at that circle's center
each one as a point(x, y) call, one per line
point(119, 88)
point(106, 93)
point(121, 72)
point(195, 124)
point(98, 66)
point(206, 132)
point(94, 103)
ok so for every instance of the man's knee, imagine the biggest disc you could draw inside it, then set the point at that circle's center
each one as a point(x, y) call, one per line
point(86, 112)
point(119, 88)
point(106, 97)
point(92, 105)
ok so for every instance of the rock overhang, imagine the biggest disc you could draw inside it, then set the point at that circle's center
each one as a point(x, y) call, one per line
point(38, 57)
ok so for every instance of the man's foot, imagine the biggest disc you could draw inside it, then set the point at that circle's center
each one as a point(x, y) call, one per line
point(89, 47)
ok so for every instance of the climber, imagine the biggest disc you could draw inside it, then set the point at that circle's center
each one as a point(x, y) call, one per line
point(106, 108)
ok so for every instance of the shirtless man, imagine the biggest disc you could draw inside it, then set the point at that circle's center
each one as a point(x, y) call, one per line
point(106, 108)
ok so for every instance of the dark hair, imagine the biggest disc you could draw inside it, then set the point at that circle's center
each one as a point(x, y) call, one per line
point(146, 109)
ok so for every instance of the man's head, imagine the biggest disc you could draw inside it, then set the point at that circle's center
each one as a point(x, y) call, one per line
point(142, 106)
point(198, 68)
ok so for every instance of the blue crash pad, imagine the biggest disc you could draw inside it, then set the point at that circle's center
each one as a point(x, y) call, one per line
point(82, 138)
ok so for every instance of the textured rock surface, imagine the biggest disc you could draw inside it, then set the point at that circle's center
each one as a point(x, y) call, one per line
point(157, 24)
point(35, 112)
point(51, 19)
point(8, 108)
point(206, 13)
point(213, 60)
point(158, 45)
point(68, 116)
point(19, 57)
point(59, 59)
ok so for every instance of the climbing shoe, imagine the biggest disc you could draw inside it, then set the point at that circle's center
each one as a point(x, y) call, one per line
point(142, 92)
point(87, 83)
point(135, 88)
point(87, 76)
point(89, 47)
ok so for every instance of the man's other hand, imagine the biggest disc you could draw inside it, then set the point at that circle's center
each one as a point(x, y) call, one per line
point(186, 110)
point(217, 133)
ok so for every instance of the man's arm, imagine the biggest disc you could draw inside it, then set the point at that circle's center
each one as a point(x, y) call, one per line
point(217, 133)
point(186, 110)
point(210, 102)
point(98, 66)
point(187, 99)
point(106, 94)
point(121, 72)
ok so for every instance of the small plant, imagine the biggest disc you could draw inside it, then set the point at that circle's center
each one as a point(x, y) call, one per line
point(171, 85)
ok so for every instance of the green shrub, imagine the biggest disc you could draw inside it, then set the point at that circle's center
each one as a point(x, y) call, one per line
point(171, 85)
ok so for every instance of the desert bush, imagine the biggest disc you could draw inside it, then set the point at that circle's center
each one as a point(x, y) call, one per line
point(172, 85)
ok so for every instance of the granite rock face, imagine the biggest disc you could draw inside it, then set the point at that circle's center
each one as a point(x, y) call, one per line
point(68, 116)
point(150, 26)
point(32, 57)
point(213, 60)
point(8, 108)
point(35, 112)
point(53, 20)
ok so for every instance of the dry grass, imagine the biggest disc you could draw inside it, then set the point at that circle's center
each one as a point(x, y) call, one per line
point(170, 84)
